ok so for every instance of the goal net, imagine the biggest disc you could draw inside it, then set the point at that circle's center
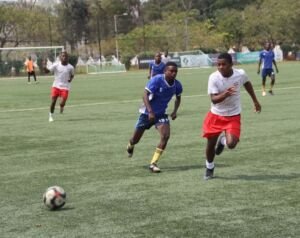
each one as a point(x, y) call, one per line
point(191, 59)
point(12, 60)
point(103, 66)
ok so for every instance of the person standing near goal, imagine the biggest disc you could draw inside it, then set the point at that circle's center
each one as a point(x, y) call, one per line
point(29, 65)
point(222, 124)
point(63, 76)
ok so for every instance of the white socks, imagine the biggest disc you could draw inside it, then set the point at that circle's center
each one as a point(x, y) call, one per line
point(223, 140)
point(210, 165)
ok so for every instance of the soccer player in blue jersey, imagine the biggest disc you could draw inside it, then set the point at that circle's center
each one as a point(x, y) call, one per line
point(157, 66)
point(157, 94)
point(267, 59)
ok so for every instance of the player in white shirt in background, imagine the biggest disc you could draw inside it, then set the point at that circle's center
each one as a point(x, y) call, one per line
point(63, 76)
point(165, 58)
point(222, 124)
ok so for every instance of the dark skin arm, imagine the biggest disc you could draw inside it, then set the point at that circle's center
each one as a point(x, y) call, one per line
point(151, 113)
point(220, 97)
point(148, 106)
point(249, 88)
point(274, 62)
point(259, 64)
point(176, 106)
point(149, 72)
point(217, 98)
point(71, 78)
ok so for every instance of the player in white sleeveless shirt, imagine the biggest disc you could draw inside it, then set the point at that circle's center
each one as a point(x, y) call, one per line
point(63, 76)
point(222, 125)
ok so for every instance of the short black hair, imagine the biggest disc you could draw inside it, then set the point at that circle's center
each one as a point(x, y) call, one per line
point(226, 56)
point(171, 63)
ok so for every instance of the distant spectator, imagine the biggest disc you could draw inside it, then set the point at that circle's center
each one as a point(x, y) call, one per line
point(165, 58)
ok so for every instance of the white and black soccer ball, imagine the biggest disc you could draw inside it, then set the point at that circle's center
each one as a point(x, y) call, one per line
point(54, 197)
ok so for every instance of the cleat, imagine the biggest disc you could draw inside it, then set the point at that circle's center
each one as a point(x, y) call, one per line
point(220, 147)
point(154, 169)
point(209, 174)
point(130, 149)
point(271, 92)
point(51, 119)
point(264, 93)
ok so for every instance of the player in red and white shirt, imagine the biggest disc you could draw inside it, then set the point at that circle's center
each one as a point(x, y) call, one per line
point(63, 76)
point(222, 124)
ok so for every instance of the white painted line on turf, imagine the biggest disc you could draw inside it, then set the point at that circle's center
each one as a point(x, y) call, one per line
point(118, 102)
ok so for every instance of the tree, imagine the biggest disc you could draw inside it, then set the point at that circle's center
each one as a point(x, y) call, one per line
point(19, 25)
point(275, 23)
point(231, 22)
point(73, 21)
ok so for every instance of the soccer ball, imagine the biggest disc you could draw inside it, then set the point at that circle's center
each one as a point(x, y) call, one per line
point(54, 197)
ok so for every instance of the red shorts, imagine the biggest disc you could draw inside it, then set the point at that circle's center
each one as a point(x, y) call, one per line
point(57, 92)
point(214, 125)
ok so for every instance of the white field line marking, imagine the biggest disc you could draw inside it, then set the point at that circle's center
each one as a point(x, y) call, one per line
point(116, 102)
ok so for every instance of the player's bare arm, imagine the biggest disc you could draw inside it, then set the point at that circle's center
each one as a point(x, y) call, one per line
point(71, 78)
point(259, 64)
point(219, 97)
point(147, 105)
point(149, 75)
point(44, 64)
point(275, 64)
point(249, 88)
point(176, 106)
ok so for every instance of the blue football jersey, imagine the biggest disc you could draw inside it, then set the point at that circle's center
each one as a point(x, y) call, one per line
point(156, 68)
point(267, 58)
point(161, 94)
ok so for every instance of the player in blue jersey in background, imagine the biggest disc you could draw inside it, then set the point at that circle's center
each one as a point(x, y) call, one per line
point(157, 66)
point(157, 94)
point(267, 59)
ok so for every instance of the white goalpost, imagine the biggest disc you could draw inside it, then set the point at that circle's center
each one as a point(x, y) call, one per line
point(192, 59)
point(103, 66)
point(12, 59)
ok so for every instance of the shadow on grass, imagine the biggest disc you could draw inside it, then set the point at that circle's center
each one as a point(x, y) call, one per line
point(64, 209)
point(184, 167)
point(261, 177)
point(81, 119)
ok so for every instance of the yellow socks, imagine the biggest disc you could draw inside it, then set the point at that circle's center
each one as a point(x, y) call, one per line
point(156, 155)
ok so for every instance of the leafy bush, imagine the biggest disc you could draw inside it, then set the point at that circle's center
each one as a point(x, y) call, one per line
point(125, 59)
